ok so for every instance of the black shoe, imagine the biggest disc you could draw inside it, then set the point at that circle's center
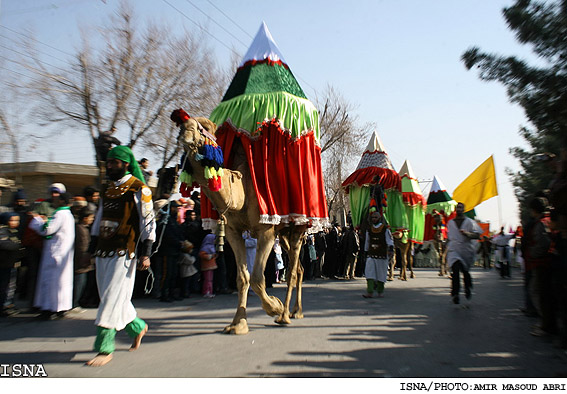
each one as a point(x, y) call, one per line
point(455, 299)
point(9, 312)
point(58, 315)
point(44, 315)
point(468, 295)
point(529, 312)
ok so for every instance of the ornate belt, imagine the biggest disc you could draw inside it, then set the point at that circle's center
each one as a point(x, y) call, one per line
point(111, 253)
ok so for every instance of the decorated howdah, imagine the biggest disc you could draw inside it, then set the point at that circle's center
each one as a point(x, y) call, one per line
point(414, 202)
point(375, 181)
point(265, 109)
point(439, 201)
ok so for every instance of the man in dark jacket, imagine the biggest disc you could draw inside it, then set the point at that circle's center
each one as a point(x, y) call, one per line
point(170, 251)
point(83, 262)
point(320, 248)
point(351, 248)
point(10, 255)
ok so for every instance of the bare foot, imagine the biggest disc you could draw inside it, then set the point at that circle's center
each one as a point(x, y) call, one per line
point(100, 360)
point(138, 339)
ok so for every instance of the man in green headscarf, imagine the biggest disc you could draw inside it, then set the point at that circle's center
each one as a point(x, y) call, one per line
point(124, 228)
point(124, 154)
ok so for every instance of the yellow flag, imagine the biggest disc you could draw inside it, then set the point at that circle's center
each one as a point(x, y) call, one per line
point(478, 187)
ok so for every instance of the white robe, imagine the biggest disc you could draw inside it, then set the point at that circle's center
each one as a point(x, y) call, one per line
point(460, 247)
point(377, 269)
point(54, 290)
point(502, 247)
point(115, 276)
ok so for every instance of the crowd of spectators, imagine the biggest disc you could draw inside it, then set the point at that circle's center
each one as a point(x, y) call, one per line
point(185, 261)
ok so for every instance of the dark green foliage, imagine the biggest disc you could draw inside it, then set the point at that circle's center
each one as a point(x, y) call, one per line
point(540, 90)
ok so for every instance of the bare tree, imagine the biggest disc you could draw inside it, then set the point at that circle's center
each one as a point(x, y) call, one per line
point(343, 137)
point(8, 137)
point(135, 78)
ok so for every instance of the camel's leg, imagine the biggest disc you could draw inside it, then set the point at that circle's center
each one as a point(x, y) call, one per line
point(292, 242)
point(410, 261)
point(439, 249)
point(297, 312)
point(392, 266)
point(239, 324)
point(445, 260)
point(272, 305)
point(403, 268)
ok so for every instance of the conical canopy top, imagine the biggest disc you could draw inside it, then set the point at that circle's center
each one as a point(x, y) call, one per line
point(263, 48)
point(407, 170)
point(410, 187)
point(264, 89)
point(439, 199)
point(375, 155)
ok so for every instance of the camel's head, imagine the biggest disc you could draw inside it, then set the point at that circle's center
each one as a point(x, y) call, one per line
point(192, 131)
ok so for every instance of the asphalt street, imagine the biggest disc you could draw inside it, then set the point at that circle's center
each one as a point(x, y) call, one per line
point(413, 332)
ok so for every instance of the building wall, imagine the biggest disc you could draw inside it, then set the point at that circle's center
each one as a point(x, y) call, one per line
point(35, 178)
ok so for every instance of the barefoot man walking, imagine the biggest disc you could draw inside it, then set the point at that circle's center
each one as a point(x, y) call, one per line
point(124, 227)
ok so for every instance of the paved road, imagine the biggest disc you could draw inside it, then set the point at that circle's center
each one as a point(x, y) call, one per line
point(413, 332)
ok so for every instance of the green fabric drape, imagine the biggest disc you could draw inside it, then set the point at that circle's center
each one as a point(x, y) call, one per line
point(471, 214)
point(359, 198)
point(395, 212)
point(263, 78)
point(248, 111)
point(416, 219)
point(447, 206)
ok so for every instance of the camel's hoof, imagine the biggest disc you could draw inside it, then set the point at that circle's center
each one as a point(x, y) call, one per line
point(238, 329)
point(404, 279)
point(283, 320)
point(297, 315)
point(412, 276)
point(390, 279)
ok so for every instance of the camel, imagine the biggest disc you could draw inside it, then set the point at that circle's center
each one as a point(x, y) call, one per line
point(406, 257)
point(236, 203)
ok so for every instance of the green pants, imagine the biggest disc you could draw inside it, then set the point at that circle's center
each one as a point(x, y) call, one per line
point(372, 285)
point(104, 342)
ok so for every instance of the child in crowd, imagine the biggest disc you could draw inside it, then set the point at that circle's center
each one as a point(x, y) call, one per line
point(187, 268)
point(279, 261)
point(208, 257)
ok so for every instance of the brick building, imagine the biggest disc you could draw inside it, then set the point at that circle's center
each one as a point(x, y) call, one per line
point(36, 176)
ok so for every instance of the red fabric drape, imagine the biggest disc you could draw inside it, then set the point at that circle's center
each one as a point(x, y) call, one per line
point(286, 173)
point(429, 233)
point(412, 199)
point(389, 179)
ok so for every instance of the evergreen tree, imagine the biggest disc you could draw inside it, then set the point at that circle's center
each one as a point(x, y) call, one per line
point(540, 90)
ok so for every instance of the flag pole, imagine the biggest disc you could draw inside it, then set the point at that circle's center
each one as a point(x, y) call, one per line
point(499, 212)
point(499, 200)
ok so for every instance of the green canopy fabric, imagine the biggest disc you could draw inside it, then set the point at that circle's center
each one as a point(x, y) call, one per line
point(359, 200)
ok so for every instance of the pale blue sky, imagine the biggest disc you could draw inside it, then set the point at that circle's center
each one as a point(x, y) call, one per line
point(397, 60)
